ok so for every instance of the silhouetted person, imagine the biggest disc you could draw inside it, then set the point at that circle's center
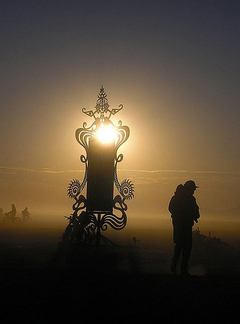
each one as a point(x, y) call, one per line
point(25, 213)
point(1, 212)
point(13, 213)
point(184, 211)
point(136, 242)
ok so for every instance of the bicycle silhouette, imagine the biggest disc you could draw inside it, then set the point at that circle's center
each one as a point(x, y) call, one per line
point(9, 217)
point(26, 218)
point(77, 230)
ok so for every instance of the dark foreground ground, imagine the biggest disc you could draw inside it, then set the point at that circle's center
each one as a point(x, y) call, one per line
point(44, 282)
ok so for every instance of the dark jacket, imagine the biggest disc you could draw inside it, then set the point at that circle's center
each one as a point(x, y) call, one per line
point(183, 209)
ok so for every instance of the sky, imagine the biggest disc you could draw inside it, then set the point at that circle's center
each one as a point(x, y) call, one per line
point(174, 65)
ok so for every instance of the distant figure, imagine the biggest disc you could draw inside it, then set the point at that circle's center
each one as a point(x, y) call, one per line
point(184, 211)
point(135, 241)
point(25, 214)
point(11, 216)
point(13, 213)
point(1, 212)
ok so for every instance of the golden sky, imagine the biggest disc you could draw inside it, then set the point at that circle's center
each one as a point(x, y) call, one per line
point(174, 68)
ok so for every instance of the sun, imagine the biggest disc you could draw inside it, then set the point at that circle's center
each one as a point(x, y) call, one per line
point(106, 134)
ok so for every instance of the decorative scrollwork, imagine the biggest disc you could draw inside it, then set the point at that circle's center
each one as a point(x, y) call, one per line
point(80, 203)
point(83, 159)
point(75, 187)
point(117, 223)
point(122, 134)
point(83, 134)
point(88, 221)
point(92, 222)
point(127, 189)
point(102, 110)
point(119, 158)
point(119, 204)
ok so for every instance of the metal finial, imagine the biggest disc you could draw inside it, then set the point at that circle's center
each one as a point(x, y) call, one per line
point(102, 110)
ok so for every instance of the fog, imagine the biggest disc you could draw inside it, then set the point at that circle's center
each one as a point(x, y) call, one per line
point(151, 231)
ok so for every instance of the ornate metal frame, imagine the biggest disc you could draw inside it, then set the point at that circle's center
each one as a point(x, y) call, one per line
point(101, 221)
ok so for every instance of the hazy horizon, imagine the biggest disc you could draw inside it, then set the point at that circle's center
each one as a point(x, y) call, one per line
point(153, 231)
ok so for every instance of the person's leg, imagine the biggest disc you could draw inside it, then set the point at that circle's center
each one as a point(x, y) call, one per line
point(178, 240)
point(176, 256)
point(186, 251)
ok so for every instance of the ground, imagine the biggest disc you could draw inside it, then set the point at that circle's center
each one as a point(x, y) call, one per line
point(41, 282)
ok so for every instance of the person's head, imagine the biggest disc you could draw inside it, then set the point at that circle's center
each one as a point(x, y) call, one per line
point(179, 190)
point(190, 187)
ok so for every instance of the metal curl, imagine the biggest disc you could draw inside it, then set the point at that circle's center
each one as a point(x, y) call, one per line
point(83, 159)
point(119, 204)
point(93, 222)
point(127, 189)
point(80, 203)
point(83, 134)
point(74, 188)
point(89, 113)
point(117, 223)
point(119, 158)
point(122, 134)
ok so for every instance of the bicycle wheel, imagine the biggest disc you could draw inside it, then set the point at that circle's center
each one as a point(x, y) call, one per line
point(5, 219)
point(17, 220)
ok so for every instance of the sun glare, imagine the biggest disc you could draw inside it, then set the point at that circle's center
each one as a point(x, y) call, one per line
point(106, 134)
